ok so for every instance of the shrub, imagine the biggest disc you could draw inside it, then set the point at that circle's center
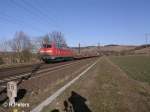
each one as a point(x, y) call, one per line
point(1, 61)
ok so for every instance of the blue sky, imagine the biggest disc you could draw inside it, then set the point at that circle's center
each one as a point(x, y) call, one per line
point(86, 21)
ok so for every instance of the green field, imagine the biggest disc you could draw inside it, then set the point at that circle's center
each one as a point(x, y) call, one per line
point(137, 67)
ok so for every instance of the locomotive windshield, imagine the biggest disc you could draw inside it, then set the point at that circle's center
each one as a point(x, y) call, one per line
point(47, 46)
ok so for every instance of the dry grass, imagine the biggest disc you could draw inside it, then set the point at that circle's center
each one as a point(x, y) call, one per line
point(107, 88)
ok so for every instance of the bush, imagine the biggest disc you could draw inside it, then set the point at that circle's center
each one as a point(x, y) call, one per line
point(1, 61)
point(26, 56)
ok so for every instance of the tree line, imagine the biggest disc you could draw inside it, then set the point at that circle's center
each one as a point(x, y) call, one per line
point(22, 48)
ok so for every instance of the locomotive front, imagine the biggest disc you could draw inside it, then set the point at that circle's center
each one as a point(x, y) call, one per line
point(46, 52)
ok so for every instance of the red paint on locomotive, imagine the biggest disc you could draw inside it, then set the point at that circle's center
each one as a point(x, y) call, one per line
point(54, 51)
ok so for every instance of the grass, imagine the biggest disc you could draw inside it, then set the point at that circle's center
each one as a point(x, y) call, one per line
point(137, 67)
point(99, 92)
point(106, 89)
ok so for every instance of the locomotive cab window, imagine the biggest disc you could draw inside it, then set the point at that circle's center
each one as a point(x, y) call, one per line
point(47, 46)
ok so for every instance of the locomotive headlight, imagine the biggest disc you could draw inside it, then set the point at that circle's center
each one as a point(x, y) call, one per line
point(41, 51)
point(49, 51)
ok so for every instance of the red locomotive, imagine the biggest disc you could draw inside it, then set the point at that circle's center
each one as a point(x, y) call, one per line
point(55, 52)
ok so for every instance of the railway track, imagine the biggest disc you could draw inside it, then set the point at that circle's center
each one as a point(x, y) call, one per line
point(36, 72)
point(18, 66)
point(26, 75)
point(27, 70)
point(49, 73)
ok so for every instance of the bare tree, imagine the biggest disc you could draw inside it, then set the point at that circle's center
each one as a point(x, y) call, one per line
point(46, 39)
point(20, 42)
point(22, 46)
point(58, 38)
point(4, 52)
point(37, 43)
point(4, 46)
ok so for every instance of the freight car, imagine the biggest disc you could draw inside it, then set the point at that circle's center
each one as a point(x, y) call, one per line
point(55, 52)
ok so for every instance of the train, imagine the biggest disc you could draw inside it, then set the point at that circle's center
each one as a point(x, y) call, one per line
point(55, 52)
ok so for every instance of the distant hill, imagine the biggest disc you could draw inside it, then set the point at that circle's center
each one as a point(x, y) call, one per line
point(107, 49)
point(111, 45)
point(117, 48)
point(142, 46)
point(143, 49)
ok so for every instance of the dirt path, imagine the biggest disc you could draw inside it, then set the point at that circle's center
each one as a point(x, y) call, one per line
point(105, 88)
